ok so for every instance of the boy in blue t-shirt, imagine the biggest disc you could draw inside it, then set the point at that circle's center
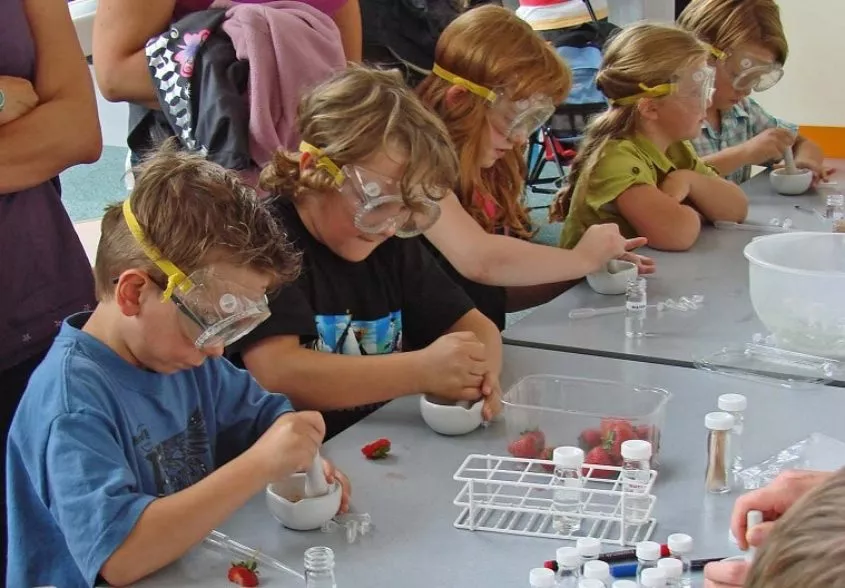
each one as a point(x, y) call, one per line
point(134, 438)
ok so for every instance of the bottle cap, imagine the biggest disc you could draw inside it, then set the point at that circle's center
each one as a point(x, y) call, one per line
point(652, 578)
point(719, 421)
point(590, 583)
point(672, 567)
point(636, 449)
point(732, 402)
point(541, 578)
point(624, 584)
point(568, 557)
point(679, 543)
point(648, 550)
point(588, 546)
point(596, 569)
point(568, 457)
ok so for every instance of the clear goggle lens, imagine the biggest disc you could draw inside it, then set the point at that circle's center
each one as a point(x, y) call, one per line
point(216, 312)
point(380, 208)
point(518, 120)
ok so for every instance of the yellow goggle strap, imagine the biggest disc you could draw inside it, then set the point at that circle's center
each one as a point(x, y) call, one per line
point(717, 53)
point(323, 161)
point(647, 92)
point(176, 278)
point(485, 93)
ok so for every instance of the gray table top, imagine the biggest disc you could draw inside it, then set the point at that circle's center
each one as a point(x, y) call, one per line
point(715, 267)
point(409, 495)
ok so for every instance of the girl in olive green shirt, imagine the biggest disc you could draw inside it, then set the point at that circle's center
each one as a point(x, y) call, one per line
point(635, 166)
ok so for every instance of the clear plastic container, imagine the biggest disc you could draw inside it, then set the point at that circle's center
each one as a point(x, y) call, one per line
point(581, 411)
point(797, 285)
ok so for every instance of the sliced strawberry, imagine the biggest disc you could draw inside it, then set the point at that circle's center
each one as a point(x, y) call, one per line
point(244, 573)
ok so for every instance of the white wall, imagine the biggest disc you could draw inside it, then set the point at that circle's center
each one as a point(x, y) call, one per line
point(812, 91)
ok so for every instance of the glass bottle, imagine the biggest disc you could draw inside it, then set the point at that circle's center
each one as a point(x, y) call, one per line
point(636, 472)
point(541, 578)
point(673, 568)
point(588, 548)
point(636, 301)
point(735, 405)
point(567, 485)
point(680, 547)
point(319, 568)
point(653, 578)
point(598, 570)
point(568, 567)
point(717, 477)
point(648, 553)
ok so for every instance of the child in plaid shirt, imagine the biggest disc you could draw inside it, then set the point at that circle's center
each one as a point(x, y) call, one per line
point(749, 48)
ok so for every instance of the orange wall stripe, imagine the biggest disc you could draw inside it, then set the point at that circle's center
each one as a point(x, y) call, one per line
point(830, 139)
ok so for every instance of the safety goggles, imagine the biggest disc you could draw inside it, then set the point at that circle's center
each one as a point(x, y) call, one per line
point(515, 119)
point(695, 85)
point(379, 206)
point(747, 71)
point(213, 311)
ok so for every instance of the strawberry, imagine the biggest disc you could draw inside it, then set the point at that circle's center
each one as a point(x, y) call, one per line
point(589, 438)
point(614, 439)
point(548, 455)
point(243, 573)
point(599, 456)
point(378, 449)
point(550, 564)
point(644, 432)
point(530, 445)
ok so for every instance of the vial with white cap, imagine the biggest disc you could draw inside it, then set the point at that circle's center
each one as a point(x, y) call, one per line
point(568, 567)
point(567, 485)
point(588, 548)
point(636, 471)
point(680, 547)
point(624, 584)
point(591, 583)
point(653, 578)
point(735, 405)
point(717, 477)
point(673, 569)
point(598, 570)
point(541, 578)
point(648, 554)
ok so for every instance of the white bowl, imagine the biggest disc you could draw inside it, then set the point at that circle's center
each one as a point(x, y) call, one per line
point(614, 278)
point(791, 184)
point(449, 418)
point(287, 503)
point(797, 288)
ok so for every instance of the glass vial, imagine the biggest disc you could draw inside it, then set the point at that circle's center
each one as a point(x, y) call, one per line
point(591, 583)
point(673, 569)
point(624, 584)
point(648, 553)
point(541, 578)
point(589, 549)
point(636, 471)
point(680, 547)
point(568, 567)
point(735, 405)
point(567, 486)
point(653, 578)
point(636, 302)
point(717, 477)
point(319, 568)
point(834, 212)
point(597, 570)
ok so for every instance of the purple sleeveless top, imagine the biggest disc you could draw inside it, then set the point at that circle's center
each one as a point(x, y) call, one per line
point(184, 7)
point(44, 273)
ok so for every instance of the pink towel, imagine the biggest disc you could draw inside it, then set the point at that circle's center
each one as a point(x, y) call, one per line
point(291, 47)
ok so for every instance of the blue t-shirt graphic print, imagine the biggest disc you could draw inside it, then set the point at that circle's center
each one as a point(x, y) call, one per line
point(344, 335)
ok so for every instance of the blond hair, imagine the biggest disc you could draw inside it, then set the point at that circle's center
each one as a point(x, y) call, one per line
point(726, 24)
point(351, 117)
point(492, 47)
point(647, 54)
point(806, 547)
point(194, 212)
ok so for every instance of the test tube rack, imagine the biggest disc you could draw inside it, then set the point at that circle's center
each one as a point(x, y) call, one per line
point(514, 496)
